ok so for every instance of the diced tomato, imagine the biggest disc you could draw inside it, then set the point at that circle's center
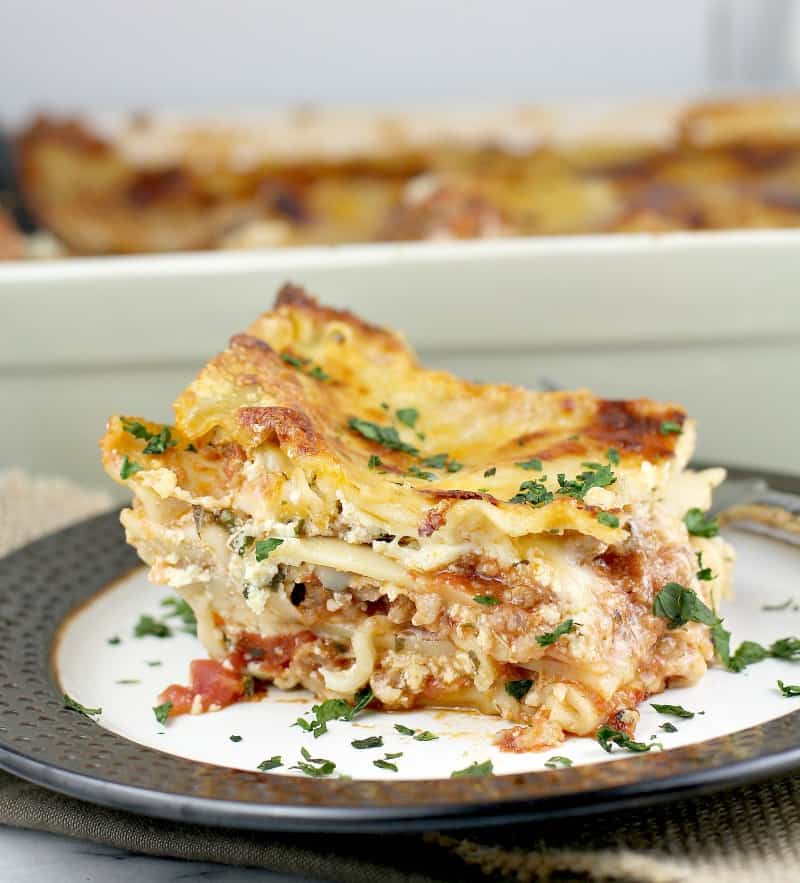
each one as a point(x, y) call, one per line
point(271, 654)
point(211, 681)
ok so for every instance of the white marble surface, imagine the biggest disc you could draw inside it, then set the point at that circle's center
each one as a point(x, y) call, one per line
point(33, 857)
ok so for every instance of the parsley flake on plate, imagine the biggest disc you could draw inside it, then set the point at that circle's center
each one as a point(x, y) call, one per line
point(316, 767)
point(553, 763)
point(608, 736)
point(235, 738)
point(474, 770)
point(789, 689)
point(676, 710)
point(404, 731)
point(264, 548)
point(369, 742)
point(273, 763)
point(114, 640)
point(73, 705)
point(162, 712)
point(563, 628)
point(183, 610)
point(147, 626)
point(492, 470)
point(668, 727)
point(334, 709)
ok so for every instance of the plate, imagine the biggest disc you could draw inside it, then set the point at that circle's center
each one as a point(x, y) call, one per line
point(66, 600)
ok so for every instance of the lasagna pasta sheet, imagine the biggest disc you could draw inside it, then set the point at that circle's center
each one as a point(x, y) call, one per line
point(341, 518)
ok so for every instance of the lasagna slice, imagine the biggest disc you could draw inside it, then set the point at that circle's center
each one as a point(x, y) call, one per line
point(340, 518)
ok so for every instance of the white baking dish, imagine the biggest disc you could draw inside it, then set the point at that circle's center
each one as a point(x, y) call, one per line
point(711, 320)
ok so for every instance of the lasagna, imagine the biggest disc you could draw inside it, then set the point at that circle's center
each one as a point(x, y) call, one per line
point(342, 519)
point(149, 184)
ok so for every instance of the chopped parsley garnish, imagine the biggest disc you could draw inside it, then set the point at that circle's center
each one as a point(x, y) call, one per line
point(486, 600)
point(408, 416)
point(159, 442)
point(668, 727)
point(73, 705)
point(789, 689)
point(750, 652)
point(385, 765)
point(670, 427)
point(162, 712)
point(534, 463)
point(596, 475)
point(679, 605)
point(492, 470)
point(416, 472)
point(473, 770)
point(323, 767)
point(785, 648)
point(533, 492)
point(300, 363)
point(153, 662)
point(699, 525)
point(613, 456)
point(265, 547)
point(608, 519)
point(551, 637)
point(182, 609)
point(519, 689)
point(235, 738)
point(334, 709)
point(114, 640)
point(386, 436)
point(425, 736)
point(557, 761)
point(148, 626)
point(374, 462)
point(607, 736)
point(437, 461)
point(703, 573)
point(191, 448)
point(128, 681)
point(136, 429)
point(369, 742)
point(454, 466)
point(675, 710)
point(273, 763)
point(294, 361)
point(128, 468)
point(418, 735)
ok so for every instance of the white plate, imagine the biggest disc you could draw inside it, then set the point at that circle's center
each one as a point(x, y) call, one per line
point(90, 668)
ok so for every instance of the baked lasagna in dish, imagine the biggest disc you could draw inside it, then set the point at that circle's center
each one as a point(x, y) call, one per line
point(160, 183)
point(340, 518)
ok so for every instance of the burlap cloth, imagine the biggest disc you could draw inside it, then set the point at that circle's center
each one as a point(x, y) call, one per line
point(748, 834)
